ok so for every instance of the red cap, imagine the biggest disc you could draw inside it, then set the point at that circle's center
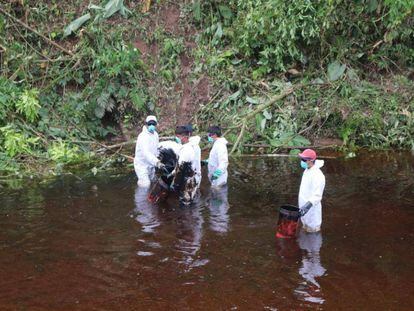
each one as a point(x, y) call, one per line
point(308, 154)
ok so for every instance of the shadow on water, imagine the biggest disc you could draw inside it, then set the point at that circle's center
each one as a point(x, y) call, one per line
point(98, 243)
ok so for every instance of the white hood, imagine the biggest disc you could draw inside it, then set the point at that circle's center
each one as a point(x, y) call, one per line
point(194, 140)
point(222, 140)
point(319, 163)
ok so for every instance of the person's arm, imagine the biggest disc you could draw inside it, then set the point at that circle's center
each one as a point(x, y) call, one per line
point(318, 186)
point(148, 155)
point(137, 144)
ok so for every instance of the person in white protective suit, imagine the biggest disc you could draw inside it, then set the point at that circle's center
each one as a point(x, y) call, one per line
point(145, 159)
point(311, 191)
point(218, 160)
point(185, 180)
point(195, 141)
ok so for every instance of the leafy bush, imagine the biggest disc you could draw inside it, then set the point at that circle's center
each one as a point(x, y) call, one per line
point(28, 104)
point(278, 34)
point(62, 152)
point(15, 142)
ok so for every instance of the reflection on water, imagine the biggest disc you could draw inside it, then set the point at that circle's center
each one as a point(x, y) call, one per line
point(189, 237)
point(145, 211)
point(72, 244)
point(219, 206)
point(188, 224)
point(311, 270)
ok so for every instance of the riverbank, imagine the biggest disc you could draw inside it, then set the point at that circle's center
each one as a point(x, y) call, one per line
point(70, 87)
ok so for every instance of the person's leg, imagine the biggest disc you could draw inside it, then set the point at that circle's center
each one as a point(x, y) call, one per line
point(218, 206)
point(143, 176)
point(144, 211)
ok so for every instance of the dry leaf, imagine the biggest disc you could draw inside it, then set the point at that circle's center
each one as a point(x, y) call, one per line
point(146, 6)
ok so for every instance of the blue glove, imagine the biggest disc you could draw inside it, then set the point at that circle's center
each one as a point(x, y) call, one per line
point(204, 162)
point(217, 173)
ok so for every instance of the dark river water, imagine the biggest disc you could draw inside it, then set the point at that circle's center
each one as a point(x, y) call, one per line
point(95, 243)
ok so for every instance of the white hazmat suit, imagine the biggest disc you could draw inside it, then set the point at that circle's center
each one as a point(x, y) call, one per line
point(188, 153)
point(188, 156)
point(218, 159)
point(146, 156)
point(311, 190)
point(195, 142)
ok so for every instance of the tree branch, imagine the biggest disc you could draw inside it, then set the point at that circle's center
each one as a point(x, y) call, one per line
point(37, 33)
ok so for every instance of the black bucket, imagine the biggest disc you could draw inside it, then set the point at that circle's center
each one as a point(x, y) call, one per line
point(289, 212)
point(288, 221)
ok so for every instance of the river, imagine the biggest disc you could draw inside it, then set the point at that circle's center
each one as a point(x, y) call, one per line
point(95, 243)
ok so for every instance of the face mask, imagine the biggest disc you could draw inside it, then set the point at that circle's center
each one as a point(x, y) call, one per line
point(177, 140)
point(304, 165)
point(152, 128)
point(210, 139)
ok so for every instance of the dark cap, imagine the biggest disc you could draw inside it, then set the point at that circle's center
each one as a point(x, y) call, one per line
point(182, 130)
point(214, 129)
point(189, 128)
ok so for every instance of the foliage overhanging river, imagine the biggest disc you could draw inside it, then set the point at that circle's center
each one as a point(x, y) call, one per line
point(94, 244)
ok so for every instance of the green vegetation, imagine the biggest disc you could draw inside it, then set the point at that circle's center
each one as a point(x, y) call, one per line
point(350, 63)
point(55, 107)
point(348, 60)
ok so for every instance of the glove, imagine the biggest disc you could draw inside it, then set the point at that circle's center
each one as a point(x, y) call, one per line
point(217, 173)
point(305, 208)
point(204, 162)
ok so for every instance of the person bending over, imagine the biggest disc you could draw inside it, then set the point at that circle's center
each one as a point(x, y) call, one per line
point(185, 181)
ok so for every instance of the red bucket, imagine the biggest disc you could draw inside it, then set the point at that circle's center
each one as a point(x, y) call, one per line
point(287, 224)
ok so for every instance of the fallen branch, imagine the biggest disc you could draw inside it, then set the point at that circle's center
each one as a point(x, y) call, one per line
point(129, 142)
point(253, 113)
point(116, 152)
point(239, 137)
point(264, 106)
point(277, 155)
point(37, 33)
point(287, 147)
point(125, 143)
